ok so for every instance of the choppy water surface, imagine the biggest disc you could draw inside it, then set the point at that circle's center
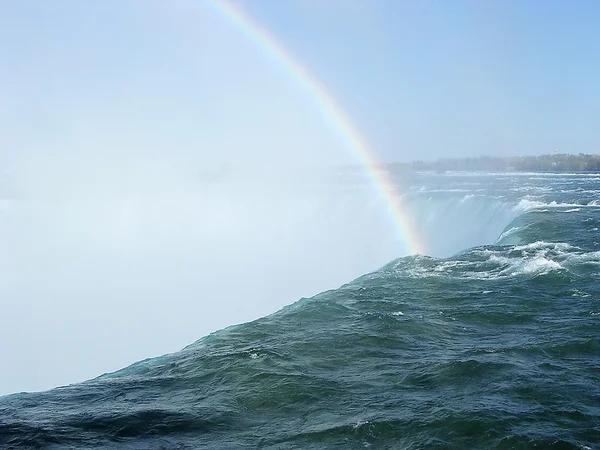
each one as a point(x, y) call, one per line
point(493, 344)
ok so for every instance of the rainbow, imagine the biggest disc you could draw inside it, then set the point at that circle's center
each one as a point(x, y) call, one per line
point(331, 111)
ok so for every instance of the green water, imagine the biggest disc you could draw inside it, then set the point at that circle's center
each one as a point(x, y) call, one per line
point(497, 346)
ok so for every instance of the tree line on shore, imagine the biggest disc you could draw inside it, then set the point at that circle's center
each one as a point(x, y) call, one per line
point(544, 163)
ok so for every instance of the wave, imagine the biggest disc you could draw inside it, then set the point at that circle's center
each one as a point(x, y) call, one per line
point(420, 353)
point(490, 347)
point(449, 223)
point(529, 205)
point(497, 263)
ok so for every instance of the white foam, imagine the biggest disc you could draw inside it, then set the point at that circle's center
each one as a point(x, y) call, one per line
point(540, 265)
point(538, 245)
point(511, 267)
point(509, 232)
point(584, 258)
point(537, 258)
point(527, 204)
point(579, 293)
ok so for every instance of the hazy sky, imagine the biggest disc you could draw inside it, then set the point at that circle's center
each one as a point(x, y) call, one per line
point(428, 79)
point(419, 79)
point(110, 249)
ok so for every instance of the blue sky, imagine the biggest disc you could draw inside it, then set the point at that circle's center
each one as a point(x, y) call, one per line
point(419, 79)
point(463, 77)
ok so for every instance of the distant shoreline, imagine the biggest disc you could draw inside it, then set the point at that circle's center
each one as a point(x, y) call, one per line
point(555, 163)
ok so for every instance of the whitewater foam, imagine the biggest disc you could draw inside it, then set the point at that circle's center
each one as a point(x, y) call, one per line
point(509, 232)
point(532, 259)
point(542, 245)
point(527, 204)
point(540, 265)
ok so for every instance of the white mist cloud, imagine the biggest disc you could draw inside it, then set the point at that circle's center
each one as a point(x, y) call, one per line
point(153, 192)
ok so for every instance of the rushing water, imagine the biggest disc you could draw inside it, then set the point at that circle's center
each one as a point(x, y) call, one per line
point(492, 342)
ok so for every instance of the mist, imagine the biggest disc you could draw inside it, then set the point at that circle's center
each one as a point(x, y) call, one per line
point(152, 197)
point(97, 276)
point(162, 178)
